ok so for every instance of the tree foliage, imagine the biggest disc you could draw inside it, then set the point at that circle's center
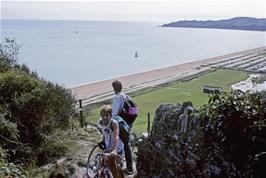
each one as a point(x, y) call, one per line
point(10, 169)
point(8, 54)
point(8, 130)
point(37, 107)
point(236, 124)
point(31, 109)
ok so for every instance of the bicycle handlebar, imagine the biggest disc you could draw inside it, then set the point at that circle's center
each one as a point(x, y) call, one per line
point(109, 154)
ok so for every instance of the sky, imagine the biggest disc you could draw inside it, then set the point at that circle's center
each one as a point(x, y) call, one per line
point(160, 11)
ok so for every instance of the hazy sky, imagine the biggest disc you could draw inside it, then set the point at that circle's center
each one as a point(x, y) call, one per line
point(161, 11)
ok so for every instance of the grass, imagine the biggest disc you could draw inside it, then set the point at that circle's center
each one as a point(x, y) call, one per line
point(178, 93)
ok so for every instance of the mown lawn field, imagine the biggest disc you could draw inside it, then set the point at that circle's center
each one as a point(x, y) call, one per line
point(178, 93)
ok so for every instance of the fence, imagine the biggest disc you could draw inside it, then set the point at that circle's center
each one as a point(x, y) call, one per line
point(82, 120)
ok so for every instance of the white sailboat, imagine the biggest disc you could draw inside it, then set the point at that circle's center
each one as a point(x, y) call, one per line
point(136, 54)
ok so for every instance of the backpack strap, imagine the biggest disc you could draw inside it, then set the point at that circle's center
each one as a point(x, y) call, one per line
point(123, 100)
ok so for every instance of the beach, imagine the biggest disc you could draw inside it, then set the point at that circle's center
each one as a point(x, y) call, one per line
point(102, 90)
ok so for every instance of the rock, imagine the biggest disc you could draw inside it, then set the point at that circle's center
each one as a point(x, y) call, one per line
point(175, 146)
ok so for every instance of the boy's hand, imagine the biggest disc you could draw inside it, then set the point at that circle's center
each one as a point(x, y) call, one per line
point(108, 150)
point(111, 151)
point(101, 145)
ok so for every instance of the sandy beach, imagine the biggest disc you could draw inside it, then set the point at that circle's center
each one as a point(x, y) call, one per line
point(95, 92)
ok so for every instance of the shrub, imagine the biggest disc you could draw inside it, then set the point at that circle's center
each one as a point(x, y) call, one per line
point(10, 169)
point(8, 130)
point(49, 152)
point(34, 108)
point(236, 123)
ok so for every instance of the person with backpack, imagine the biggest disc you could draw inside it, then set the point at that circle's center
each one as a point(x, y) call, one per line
point(114, 128)
point(123, 105)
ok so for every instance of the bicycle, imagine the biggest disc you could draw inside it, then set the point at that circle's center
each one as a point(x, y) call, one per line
point(104, 165)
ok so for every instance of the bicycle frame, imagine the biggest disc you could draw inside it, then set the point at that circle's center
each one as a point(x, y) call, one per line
point(104, 166)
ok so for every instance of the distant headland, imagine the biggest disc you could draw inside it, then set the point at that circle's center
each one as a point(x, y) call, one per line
point(237, 23)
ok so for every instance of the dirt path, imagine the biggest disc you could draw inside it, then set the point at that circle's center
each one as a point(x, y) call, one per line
point(73, 165)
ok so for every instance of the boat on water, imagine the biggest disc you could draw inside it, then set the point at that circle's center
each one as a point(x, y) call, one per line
point(136, 54)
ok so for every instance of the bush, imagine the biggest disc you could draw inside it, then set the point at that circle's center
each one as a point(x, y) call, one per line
point(8, 130)
point(31, 109)
point(37, 107)
point(236, 123)
point(49, 152)
point(10, 169)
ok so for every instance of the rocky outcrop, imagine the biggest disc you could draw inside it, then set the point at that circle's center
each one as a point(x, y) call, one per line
point(173, 146)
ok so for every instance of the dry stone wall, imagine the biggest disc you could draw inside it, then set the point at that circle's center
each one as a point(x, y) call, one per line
point(175, 147)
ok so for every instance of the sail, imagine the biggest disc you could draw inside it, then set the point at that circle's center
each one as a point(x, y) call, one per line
point(136, 54)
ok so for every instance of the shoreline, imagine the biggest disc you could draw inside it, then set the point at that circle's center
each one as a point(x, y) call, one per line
point(102, 90)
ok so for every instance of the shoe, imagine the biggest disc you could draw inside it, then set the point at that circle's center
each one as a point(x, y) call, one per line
point(128, 171)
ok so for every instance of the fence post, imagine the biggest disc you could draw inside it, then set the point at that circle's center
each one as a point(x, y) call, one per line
point(81, 114)
point(148, 122)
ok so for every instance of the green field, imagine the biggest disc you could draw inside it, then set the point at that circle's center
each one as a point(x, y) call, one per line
point(178, 93)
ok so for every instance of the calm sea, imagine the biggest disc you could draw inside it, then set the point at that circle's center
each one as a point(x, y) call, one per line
point(77, 52)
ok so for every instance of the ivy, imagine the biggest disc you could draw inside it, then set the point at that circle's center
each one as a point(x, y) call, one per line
point(236, 123)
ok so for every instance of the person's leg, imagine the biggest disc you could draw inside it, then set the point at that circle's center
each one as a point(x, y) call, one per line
point(120, 148)
point(128, 154)
point(120, 152)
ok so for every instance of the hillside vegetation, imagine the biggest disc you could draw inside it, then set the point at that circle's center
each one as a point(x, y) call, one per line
point(33, 112)
point(237, 23)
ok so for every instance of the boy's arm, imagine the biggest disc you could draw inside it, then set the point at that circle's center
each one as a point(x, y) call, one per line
point(99, 125)
point(116, 136)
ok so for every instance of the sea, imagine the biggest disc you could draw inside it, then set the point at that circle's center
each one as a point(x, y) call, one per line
point(73, 53)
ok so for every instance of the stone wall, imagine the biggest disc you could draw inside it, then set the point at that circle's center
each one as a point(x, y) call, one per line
point(175, 147)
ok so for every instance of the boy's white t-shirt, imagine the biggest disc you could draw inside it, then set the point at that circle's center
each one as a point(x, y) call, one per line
point(108, 134)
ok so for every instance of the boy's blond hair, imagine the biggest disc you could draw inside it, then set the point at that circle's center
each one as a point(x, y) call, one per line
point(105, 109)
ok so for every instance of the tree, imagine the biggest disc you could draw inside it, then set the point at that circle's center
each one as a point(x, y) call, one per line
point(8, 54)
